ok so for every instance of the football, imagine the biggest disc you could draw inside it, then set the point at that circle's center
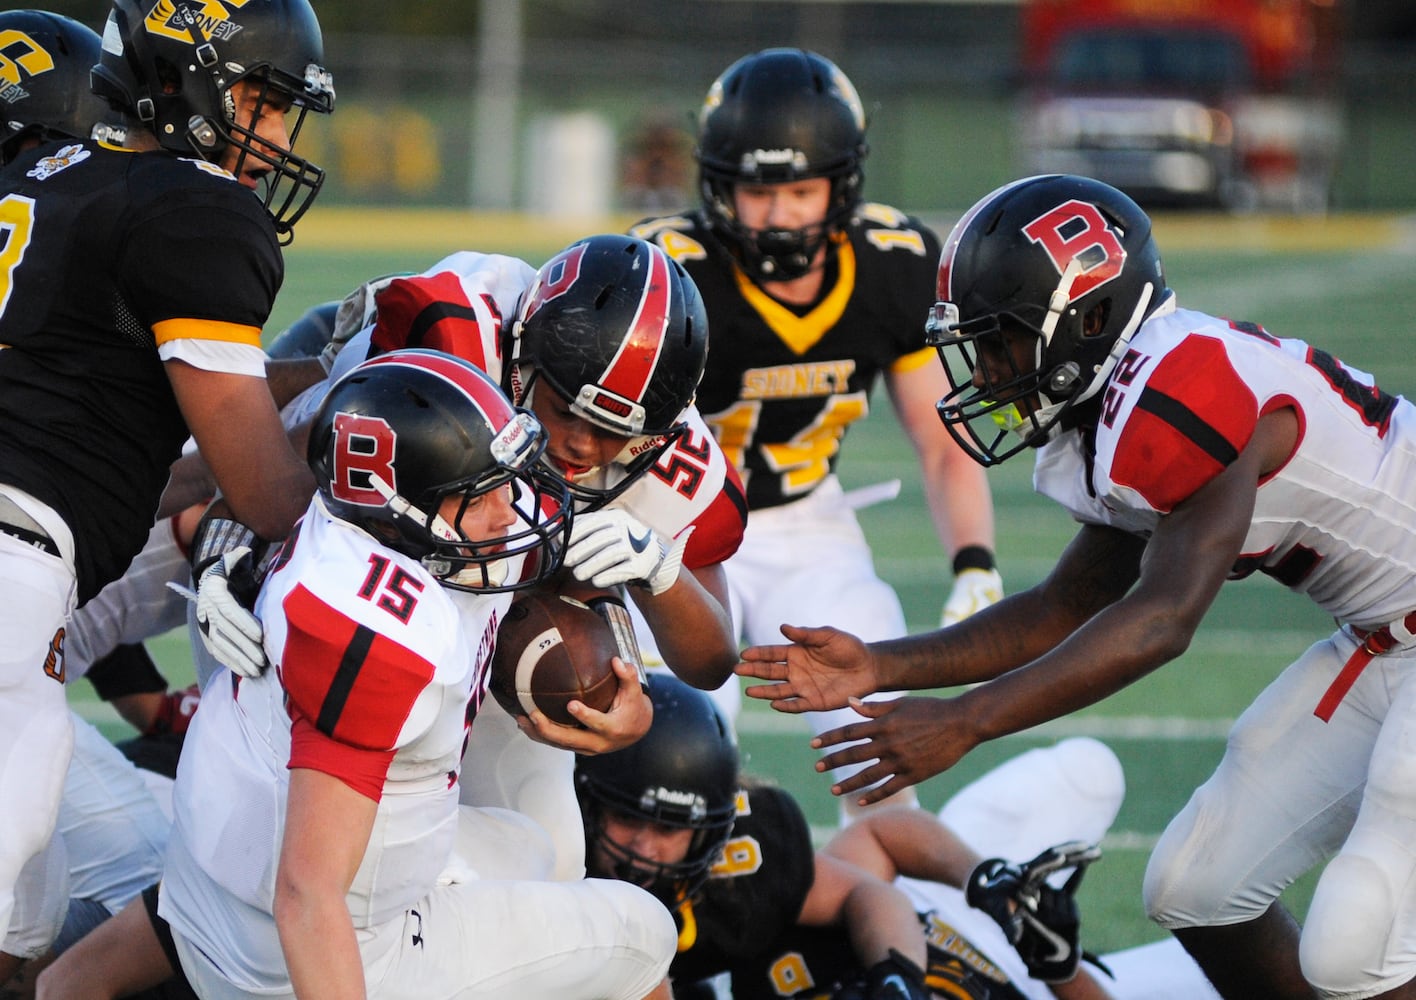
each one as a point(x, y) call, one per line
point(553, 649)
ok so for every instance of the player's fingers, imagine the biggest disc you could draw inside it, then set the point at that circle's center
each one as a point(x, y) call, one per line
point(884, 791)
point(852, 733)
point(874, 709)
point(627, 674)
point(767, 662)
point(806, 635)
point(781, 696)
point(862, 781)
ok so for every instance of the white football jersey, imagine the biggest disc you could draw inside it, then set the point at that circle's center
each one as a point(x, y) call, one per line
point(376, 672)
point(1334, 522)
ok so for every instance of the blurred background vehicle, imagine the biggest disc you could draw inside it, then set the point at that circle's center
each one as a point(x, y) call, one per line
point(567, 108)
point(1198, 103)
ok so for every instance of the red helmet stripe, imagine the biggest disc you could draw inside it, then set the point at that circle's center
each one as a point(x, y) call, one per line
point(632, 367)
point(479, 387)
point(943, 288)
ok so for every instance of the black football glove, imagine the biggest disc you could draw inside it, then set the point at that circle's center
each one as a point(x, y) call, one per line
point(1039, 920)
point(893, 978)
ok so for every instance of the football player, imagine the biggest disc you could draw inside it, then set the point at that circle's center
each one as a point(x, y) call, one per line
point(369, 879)
point(732, 857)
point(605, 344)
point(1192, 450)
point(813, 297)
point(53, 101)
point(136, 282)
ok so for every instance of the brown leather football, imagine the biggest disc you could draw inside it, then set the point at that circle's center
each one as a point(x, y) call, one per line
point(552, 649)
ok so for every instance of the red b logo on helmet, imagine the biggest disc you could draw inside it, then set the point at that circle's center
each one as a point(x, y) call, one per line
point(363, 448)
point(1076, 230)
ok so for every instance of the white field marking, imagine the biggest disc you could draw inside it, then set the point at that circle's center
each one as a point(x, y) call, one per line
point(1116, 840)
point(1165, 729)
point(1287, 642)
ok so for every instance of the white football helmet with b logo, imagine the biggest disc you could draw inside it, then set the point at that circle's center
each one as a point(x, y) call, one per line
point(1041, 286)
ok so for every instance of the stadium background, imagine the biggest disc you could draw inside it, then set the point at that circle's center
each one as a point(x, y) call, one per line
point(403, 153)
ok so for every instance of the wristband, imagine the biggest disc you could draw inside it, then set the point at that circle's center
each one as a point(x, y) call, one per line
point(127, 670)
point(217, 535)
point(973, 557)
point(614, 612)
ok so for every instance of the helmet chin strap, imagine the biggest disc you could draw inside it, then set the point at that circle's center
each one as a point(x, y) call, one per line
point(403, 508)
point(489, 573)
point(1123, 341)
point(1058, 301)
point(1044, 415)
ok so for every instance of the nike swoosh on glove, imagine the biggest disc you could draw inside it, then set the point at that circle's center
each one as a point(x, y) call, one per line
point(974, 590)
point(1040, 921)
point(230, 632)
point(609, 547)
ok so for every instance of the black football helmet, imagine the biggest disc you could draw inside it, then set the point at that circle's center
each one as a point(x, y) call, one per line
point(44, 80)
point(683, 773)
point(171, 65)
point(401, 432)
point(617, 328)
point(776, 116)
point(1041, 286)
point(308, 335)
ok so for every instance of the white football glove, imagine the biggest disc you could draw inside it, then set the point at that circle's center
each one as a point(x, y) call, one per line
point(354, 313)
point(974, 590)
point(608, 547)
point(229, 631)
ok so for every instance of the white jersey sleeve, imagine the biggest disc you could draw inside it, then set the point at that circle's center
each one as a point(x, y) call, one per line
point(1332, 522)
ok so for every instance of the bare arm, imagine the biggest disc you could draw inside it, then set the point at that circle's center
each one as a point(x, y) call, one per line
point(824, 666)
point(327, 827)
point(877, 916)
point(955, 486)
point(692, 626)
point(914, 843)
point(905, 841)
point(288, 377)
point(1182, 567)
point(266, 484)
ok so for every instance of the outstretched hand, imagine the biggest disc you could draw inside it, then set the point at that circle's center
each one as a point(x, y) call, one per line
point(819, 671)
point(910, 739)
point(628, 718)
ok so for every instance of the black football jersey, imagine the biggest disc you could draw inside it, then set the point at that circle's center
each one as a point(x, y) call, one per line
point(744, 920)
point(813, 963)
point(756, 887)
point(782, 385)
point(103, 254)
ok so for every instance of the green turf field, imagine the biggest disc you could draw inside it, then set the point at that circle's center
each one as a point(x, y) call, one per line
point(1346, 284)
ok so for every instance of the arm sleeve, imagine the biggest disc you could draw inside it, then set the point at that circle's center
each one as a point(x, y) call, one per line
point(351, 693)
point(1190, 420)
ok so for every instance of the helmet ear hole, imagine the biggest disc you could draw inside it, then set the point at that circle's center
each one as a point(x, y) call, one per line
point(1095, 319)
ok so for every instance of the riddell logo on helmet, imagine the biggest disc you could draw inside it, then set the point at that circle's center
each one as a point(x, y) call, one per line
point(691, 801)
point(758, 158)
point(175, 19)
point(637, 448)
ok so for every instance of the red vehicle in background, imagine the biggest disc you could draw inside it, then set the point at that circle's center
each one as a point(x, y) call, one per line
point(1208, 103)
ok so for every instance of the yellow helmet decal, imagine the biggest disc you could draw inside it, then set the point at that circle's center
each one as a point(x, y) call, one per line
point(210, 17)
point(20, 57)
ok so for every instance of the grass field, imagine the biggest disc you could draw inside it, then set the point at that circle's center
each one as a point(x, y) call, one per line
point(1347, 284)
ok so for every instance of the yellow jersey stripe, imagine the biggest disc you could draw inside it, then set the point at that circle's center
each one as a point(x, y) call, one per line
point(206, 329)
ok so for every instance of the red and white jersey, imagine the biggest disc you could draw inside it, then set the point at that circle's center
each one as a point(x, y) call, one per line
point(460, 305)
point(376, 672)
point(692, 485)
point(1334, 522)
